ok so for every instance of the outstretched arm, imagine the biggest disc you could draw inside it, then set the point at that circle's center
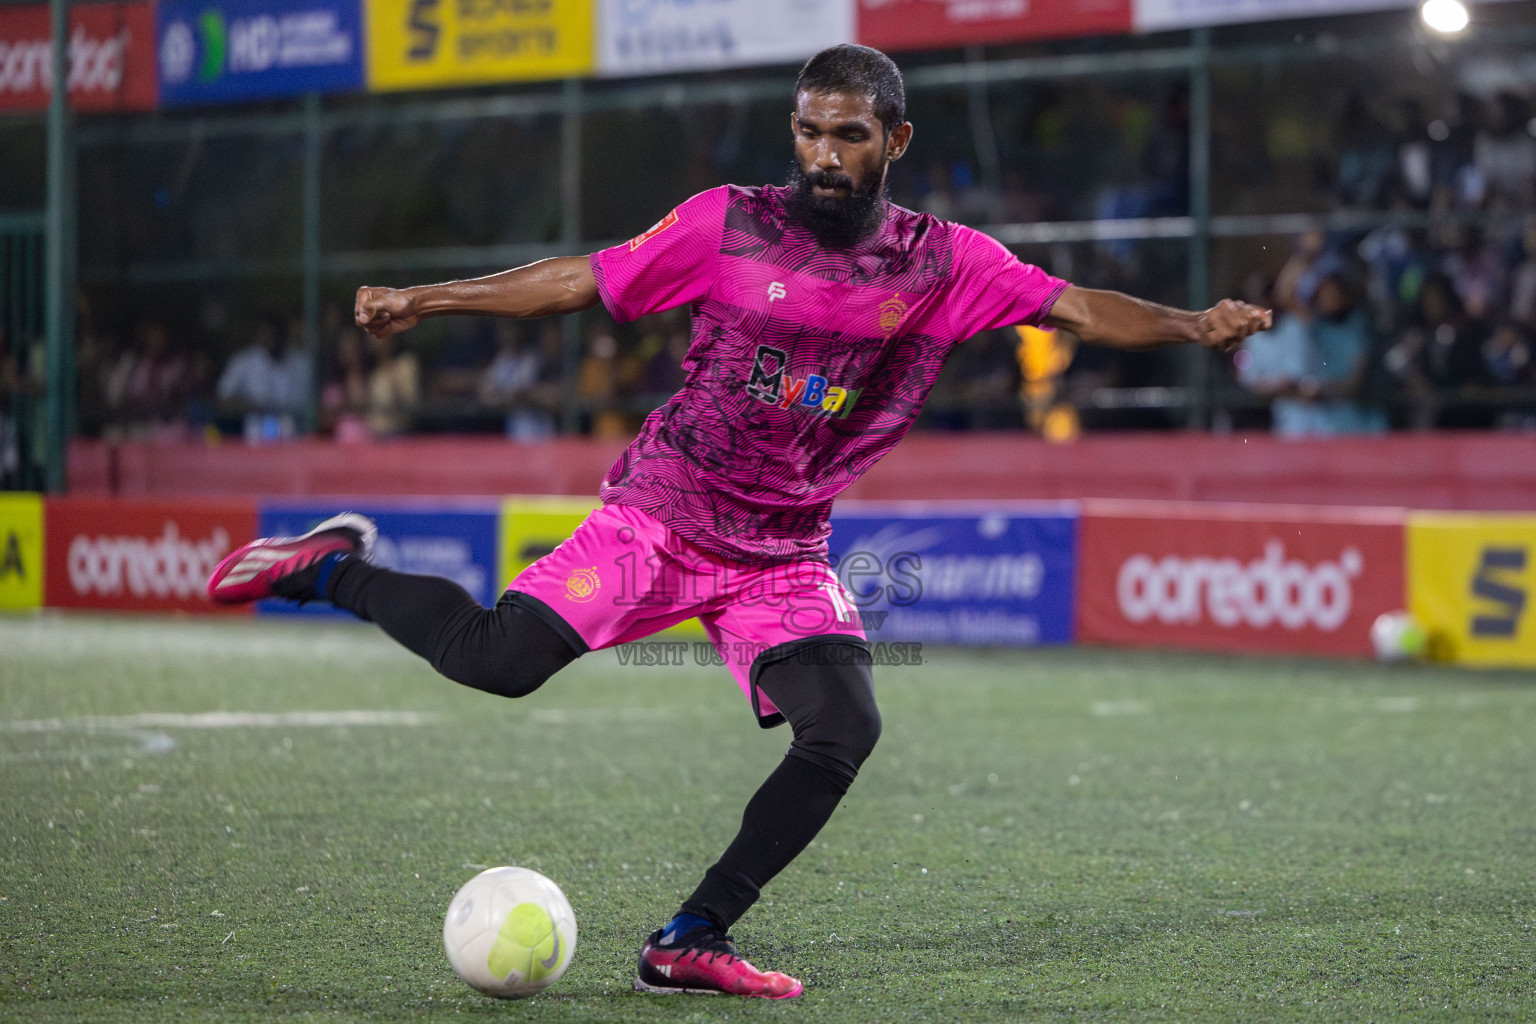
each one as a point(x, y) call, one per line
point(561, 285)
point(1121, 321)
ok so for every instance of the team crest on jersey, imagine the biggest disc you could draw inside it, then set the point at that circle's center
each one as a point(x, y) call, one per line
point(582, 585)
point(772, 384)
point(891, 311)
point(653, 231)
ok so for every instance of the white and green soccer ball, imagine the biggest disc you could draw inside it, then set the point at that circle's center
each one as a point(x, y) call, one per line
point(510, 932)
point(1397, 636)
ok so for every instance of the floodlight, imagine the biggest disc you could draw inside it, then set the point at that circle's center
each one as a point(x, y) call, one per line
point(1447, 17)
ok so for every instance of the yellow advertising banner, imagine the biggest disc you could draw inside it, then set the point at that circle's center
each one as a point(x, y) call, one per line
point(21, 551)
point(531, 527)
point(422, 44)
point(1470, 582)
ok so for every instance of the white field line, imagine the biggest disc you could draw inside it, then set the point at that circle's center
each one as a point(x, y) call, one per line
point(142, 729)
point(220, 720)
point(1114, 708)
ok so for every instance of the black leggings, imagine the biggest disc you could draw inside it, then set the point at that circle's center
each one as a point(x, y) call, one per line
point(823, 686)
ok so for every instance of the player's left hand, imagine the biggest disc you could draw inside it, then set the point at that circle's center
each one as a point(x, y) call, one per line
point(1224, 326)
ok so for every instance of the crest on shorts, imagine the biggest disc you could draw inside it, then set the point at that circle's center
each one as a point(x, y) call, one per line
point(891, 311)
point(582, 585)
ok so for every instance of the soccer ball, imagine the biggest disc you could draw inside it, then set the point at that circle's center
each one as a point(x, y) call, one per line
point(510, 932)
point(1397, 636)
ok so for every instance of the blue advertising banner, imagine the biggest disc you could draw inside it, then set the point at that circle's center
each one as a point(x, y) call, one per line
point(998, 576)
point(456, 542)
point(215, 51)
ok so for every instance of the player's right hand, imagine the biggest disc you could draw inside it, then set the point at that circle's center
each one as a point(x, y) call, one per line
point(385, 311)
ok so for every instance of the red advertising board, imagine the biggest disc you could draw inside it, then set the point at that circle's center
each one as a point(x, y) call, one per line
point(111, 57)
point(1276, 579)
point(140, 555)
point(926, 24)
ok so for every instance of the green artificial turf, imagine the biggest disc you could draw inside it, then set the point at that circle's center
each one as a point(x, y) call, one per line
point(1043, 835)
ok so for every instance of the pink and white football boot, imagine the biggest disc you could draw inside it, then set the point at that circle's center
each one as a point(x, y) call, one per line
point(704, 962)
point(289, 566)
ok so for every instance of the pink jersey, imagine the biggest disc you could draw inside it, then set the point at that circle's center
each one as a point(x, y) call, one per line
point(807, 363)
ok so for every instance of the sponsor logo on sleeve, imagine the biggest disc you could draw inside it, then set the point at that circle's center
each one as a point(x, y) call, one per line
point(655, 229)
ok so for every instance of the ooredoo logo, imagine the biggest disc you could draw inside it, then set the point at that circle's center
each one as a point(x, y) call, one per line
point(1268, 591)
point(95, 64)
point(169, 566)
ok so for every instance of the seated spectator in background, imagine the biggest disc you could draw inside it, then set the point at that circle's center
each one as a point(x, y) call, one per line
point(394, 387)
point(1504, 154)
point(1274, 363)
point(600, 384)
point(1344, 342)
point(257, 384)
point(1315, 363)
point(663, 374)
point(1506, 356)
point(1522, 282)
point(1507, 364)
point(514, 381)
point(344, 396)
point(1476, 270)
point(459, 363)
point(1435, 354)
point(298, 368)
point(147, 387)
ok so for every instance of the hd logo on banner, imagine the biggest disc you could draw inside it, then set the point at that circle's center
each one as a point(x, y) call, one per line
point(422, 44)
point(213, 52)
point(455, 542)
point(1471, 579)
point(1003, 578)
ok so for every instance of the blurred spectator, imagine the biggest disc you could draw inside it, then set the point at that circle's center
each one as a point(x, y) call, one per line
point(21, 383)
point(513, 381)
point(1343, 339)
point(265, 385)
point(1476, 269)
point(663, 373)
point(600, 385)
point(147, 387)
point(298, 368)
point(1415, 156)
point(1316, 362)
point(394, 387)
point(1506, 356)
point(1504, 153)
point(458, 364)
point(1522, 284)
point(344, 396)
point(1366, 156)
point(1274, 363)
point(1433, 354)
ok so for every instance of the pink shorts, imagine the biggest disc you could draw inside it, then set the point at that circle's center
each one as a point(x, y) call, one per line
point(623, 576)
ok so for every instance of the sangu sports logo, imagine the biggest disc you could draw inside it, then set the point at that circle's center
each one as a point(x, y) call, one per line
point(772, 384)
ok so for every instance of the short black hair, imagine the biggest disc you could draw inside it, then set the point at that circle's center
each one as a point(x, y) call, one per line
point(858, 71)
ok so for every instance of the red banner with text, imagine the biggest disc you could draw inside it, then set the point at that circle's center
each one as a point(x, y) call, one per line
point(111, 51)
point(151, 556)
point(930, 24)
point(1238, 578)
